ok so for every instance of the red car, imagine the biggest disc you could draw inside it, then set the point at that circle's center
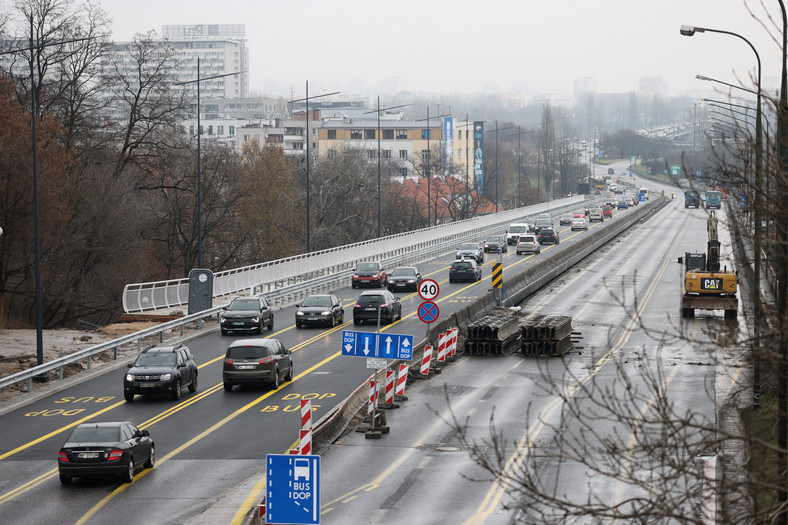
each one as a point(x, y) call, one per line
point(607, 211)
point(369, 274)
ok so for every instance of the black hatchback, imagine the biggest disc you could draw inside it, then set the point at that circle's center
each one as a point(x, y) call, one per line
point(548, 236)
point(101, 449)
point(404, 278)
point(161, 370)
point(319, 310)
point(373, 305)
point(259, 361)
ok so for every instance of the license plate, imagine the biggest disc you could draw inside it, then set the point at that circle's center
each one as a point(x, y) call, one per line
point(371, 309)
point(238, 323)
point(399, 284)
point(88, 455)
point(147, 385)
point(246, 367)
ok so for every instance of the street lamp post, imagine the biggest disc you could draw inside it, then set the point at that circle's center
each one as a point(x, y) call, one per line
point(427, 168)
point(496, 130)
point(378, 110)
point(306, 99)
point(199, 155)
point(519, 163)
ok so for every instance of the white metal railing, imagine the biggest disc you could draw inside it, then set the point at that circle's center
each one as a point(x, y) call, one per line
point(274, 275)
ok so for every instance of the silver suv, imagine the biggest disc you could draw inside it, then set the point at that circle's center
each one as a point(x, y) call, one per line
point(528, 244)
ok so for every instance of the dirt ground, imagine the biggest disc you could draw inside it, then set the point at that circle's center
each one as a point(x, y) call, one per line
point(18, 350)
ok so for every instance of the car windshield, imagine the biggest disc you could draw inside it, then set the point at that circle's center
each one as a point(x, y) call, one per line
point(247, 352)
point(516, 229)
point(403, 272)
point(528, 238)
point(366, 300)
point(494, 239)
point(244, 304)
point(95, 435)
point(316, 301)
point(547, 232)
point(462, 265)
point(155, 359)
point(367, 267)
point(469, 246)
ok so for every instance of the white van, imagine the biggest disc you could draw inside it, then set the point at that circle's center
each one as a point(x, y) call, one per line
point(644, 192)
point(595, 214)
point(514, 231)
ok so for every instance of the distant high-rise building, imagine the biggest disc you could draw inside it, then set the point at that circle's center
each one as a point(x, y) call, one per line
point(652, 86)
point(584, 85)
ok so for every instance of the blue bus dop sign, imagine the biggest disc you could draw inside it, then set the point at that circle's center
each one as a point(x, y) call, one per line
point(293, 489)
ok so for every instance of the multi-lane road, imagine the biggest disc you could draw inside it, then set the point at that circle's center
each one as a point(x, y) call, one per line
point(212, 442)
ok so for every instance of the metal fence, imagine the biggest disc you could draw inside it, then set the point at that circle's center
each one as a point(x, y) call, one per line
point(274, 276)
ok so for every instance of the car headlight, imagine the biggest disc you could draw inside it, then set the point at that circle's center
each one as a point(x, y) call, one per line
point(411, 280)
point(166, 377)
point(255, 319)
point(222, 320)
point(327, 312)
point(300, 314)
point(129, 377)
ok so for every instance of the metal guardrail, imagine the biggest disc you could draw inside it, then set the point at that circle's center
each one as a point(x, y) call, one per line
point(274, 275)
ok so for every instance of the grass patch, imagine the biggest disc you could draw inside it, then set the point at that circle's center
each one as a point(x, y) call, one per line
point(762, 424)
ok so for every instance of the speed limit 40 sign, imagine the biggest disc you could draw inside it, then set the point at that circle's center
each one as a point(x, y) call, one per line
point(429, 289)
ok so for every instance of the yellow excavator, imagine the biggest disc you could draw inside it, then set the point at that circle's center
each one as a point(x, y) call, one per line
point(706, 287)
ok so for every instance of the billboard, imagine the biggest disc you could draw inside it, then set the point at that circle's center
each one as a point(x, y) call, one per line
point(478, 156)
point(448, 140)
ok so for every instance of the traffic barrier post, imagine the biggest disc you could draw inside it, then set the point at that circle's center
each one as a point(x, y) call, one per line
point(388, 399)
point(442, 348)
point(453, 343)
point(305, 443)
point(425, 361)
point(306, 414)
point(402, 377)
point(372, 397)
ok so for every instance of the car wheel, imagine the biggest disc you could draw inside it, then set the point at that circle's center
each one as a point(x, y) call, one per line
point(353, 285)
point(289, 376)
point(519, 253)
point(261, 327)
point(451, 281)
point(224, 332)
point(356, 321)
point(332, 322)
point(193, 385)
point(65, 480)
point(271, 326)
point(151, 457)
point(342, 318)
point(128, 475)
point(298, 325)
point(129, 397)
point(176, 394)
point(275, 382)
point(228, 387)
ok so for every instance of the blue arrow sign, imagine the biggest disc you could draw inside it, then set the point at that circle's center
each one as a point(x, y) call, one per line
point(293, 492)
point(371, 344)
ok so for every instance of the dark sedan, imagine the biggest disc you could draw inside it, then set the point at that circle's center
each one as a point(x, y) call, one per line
point(405, 278)
point(372, 306)
point(247, 314)
point(319, 310)
point(100, 449)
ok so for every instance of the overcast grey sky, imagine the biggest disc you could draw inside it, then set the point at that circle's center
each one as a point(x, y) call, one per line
point(464, 46)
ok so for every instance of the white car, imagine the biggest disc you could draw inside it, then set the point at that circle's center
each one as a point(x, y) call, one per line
point(579, 223)
point(528, 244)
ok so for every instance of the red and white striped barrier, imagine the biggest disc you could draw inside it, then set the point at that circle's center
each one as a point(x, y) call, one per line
point(305, 443)
point(453, 342)
point(425, 361)
point(372, 396)
point(442, 338)
point(306, 414)
point(402, 378)
point(389, 398)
